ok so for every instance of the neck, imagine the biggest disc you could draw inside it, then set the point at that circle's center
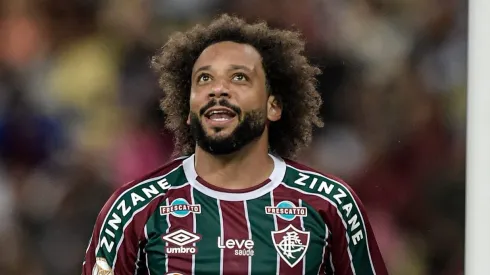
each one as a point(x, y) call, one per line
point(245, 168)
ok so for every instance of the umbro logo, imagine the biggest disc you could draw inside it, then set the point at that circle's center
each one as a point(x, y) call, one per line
point(181, 242)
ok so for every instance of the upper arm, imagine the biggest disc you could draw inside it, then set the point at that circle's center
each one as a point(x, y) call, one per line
point(352, 244)
point(108, 238)
point(118, 234)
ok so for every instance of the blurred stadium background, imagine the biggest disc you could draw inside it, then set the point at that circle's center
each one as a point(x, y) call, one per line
point(79, 116)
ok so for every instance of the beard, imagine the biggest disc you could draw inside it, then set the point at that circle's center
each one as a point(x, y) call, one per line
point(250, 128)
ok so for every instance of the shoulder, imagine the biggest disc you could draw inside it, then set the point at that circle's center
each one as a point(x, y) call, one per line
point(130, 205)
point(167, 174)
point(135, 196)
point(141, 191)
point(313, 181)
point(332, 190)
point(344, 215)
point(171, 168)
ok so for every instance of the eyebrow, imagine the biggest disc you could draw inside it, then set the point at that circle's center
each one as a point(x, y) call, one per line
point(240, 67)
point(232, 67)
point(203, 68)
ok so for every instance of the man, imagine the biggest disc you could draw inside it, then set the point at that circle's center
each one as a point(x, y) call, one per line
point(240, 99)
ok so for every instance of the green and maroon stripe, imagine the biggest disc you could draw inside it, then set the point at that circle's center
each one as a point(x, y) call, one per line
point(278, 196)
point(234, 222)
point(359, 248)
point(265, 256)
point(128, 246)
point(313, 222)
point(342, 259)
point(155, 256)
point(119, 210)
point(208, 224)
point(181, 262)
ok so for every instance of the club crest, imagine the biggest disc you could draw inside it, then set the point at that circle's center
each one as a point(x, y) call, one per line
point(291, 244)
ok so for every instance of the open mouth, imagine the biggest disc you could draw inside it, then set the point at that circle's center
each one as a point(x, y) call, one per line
point(220, 114)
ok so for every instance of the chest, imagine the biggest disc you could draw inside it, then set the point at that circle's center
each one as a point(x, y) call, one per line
point(201, 235)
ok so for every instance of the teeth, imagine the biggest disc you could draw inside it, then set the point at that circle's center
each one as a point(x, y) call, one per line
point(219, 112)
point(220, 119)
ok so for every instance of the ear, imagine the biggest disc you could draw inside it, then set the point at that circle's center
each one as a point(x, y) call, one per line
point(188, 121)
point(274, 108)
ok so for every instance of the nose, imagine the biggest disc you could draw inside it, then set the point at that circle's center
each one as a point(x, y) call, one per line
point(219, 90)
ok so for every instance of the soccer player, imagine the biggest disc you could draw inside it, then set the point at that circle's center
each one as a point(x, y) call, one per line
point(241, 101)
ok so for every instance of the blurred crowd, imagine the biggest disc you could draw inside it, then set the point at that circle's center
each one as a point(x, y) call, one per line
point(79, 116)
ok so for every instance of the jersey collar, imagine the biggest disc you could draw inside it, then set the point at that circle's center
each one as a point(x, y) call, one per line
point(275, 179)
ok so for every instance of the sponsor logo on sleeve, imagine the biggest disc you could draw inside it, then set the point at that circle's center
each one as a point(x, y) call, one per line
point(125, 208)
point(343, 201)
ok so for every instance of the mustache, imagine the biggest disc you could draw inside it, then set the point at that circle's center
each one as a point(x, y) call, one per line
point(221, 102)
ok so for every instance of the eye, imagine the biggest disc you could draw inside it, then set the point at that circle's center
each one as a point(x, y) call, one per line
point(239, 77)
point(204, 78)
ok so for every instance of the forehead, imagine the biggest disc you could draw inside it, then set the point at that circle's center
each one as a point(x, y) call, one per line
point(225, 53)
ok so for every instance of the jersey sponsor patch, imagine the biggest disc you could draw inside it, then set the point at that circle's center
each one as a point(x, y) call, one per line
point(242, 247)
point(286, 210)
point(291, 244)
point(180, 208)
point(338, 195)
point(123, 210)
point(181, 242)
point(101, 267)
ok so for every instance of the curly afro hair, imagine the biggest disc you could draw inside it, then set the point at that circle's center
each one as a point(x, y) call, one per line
point(290, 78)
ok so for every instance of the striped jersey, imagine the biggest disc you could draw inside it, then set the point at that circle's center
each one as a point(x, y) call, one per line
point(173, 222)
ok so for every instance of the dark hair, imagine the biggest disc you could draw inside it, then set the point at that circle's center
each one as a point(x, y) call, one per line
point(289, 76)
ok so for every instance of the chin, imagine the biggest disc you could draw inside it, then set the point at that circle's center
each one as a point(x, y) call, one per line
point(220, 137)
point(221, 132)
point(226, 137)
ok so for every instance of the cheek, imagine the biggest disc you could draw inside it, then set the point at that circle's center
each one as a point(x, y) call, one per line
point(193, 95)
point(193, 102)
point(252, 101)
